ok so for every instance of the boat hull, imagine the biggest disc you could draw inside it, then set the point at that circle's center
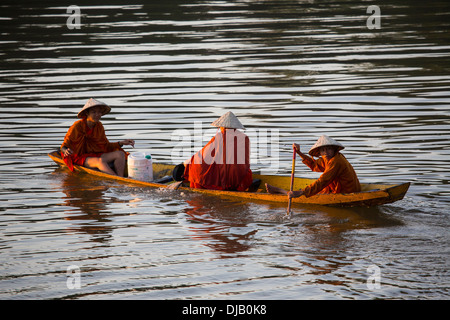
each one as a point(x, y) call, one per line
point(371, 194)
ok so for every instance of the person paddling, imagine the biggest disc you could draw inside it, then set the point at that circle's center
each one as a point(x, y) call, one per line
point(338, 174)
point(86, 144)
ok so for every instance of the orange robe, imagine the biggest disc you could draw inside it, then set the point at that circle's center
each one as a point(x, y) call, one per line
point(86, 142)
point(223, 164)
point(338, 176)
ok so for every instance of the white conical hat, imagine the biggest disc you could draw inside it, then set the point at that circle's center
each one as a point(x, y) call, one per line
point(93, 103)
point(324, 141)
point(228, 120)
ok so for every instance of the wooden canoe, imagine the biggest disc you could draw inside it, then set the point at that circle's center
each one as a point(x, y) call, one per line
point(371, 194)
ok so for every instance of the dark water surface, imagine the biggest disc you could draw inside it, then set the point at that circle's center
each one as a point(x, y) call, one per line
point(291, 71)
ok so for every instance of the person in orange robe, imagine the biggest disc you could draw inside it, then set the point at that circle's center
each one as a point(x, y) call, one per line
point(86, 144)
point(338, 174)
point(223, 163)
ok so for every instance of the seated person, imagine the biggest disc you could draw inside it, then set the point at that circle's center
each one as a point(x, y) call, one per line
point(338, 174)
point(86, 144)
point(223, 163)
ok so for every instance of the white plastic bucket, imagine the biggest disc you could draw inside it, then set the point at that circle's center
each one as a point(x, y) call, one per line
point(140, 166)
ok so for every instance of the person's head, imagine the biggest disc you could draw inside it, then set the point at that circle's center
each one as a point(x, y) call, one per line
point(328, 152)
point(92, 103)
point(228, 121)
point(325, 147)
point(95, 113)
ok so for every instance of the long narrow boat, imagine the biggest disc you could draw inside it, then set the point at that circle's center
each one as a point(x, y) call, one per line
point(371, 194)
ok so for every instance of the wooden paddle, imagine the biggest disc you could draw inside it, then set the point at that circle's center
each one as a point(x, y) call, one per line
point(292, 180)
point(175, 185)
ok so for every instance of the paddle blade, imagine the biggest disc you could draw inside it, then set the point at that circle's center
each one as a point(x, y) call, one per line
point(175, 185)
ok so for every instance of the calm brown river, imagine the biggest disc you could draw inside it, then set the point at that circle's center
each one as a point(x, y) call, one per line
point(291, 71)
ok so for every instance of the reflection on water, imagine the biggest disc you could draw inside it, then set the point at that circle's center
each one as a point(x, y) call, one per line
point(300, 68)
point(211, 222)
point(88, 207)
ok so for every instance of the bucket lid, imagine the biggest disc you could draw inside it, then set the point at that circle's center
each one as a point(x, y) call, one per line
point(137, 155)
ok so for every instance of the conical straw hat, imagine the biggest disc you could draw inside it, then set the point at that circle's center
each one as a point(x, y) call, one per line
point(322, 142)
point(228, 120)
point(93, 103)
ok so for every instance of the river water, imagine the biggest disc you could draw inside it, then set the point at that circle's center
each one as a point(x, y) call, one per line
point(291, 71)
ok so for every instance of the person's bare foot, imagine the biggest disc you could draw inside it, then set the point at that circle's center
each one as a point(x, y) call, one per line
point(274, 190)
